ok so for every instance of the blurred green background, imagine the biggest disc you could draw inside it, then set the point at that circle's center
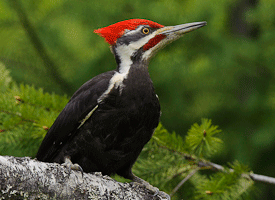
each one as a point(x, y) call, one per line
point(224, 71)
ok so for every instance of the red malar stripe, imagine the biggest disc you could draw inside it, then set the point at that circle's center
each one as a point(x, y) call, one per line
point(153, 42)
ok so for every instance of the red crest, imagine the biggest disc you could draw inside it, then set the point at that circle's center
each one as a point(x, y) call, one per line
point(113, 32)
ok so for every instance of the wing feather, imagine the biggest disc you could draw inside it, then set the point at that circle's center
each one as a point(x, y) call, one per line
point(80, 105)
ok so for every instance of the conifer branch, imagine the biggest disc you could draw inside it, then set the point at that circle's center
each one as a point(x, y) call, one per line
point(214, 166)
point(18, 115)
point(262, 178)
point(183, 181)
point(254, 177)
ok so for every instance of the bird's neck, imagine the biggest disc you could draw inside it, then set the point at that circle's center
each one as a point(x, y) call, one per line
point(131, 77)
point(127, 59)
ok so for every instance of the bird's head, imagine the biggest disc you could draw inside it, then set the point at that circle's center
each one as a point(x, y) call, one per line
point(138, 39)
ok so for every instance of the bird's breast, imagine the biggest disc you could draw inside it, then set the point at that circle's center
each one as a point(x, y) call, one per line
point(130, 99)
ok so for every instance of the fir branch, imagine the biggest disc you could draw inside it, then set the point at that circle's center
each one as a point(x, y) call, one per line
point(254, 177)
point(37, 98)
point(201, 139)
point(213, 166)
point(183, 181)
point(210, 165)
point(262, 178)
point(18, 115)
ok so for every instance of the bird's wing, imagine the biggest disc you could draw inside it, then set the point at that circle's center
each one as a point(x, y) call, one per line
point(80, 105)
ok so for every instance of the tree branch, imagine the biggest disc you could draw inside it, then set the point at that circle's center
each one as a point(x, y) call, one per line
point(27, 178)
point(254, 177)
point(183, 181)
point(214, 166)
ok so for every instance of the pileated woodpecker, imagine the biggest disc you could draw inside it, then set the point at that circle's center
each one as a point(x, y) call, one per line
point(111, 117)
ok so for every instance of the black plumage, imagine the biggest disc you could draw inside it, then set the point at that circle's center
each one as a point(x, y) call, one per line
point(110, 118)
point(112, 138)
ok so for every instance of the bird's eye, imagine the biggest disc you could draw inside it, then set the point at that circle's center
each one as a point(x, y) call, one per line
point(145, 30)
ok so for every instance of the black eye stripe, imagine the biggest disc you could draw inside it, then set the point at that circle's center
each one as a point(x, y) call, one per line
point(128, 38)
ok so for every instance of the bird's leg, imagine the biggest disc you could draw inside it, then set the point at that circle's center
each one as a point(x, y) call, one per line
point(68, 164)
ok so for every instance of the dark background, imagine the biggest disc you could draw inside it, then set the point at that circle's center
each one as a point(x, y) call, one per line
point(224, 71)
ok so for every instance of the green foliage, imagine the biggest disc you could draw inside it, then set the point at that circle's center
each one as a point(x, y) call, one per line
point(167, 159)
point(5, 78)
point(230, 184)
point(224, 71)
point(201, 139)
point(26, 113)
point(174, 141)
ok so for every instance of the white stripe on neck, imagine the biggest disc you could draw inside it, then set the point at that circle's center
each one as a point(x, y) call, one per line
point(124, 53)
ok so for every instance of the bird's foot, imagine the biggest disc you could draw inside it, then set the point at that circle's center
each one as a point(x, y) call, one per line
point(70, 166)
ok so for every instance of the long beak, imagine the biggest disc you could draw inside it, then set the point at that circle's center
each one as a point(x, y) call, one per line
point(174, 32)
point(168, 34)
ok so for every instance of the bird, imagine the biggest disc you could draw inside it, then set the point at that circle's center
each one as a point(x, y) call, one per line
point(108, 120)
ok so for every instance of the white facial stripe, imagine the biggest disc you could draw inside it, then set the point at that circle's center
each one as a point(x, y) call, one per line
point(140, 43)
point(124, 54)
point(126, 51)
point(148, 54)
point(130, 32)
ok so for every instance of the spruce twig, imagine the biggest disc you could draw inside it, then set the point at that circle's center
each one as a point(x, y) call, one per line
point(254, 177)
point(18, 115)
point(214, 166)
point(183, 181)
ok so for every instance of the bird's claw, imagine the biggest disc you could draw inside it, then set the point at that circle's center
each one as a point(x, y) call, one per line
point(70, 166)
